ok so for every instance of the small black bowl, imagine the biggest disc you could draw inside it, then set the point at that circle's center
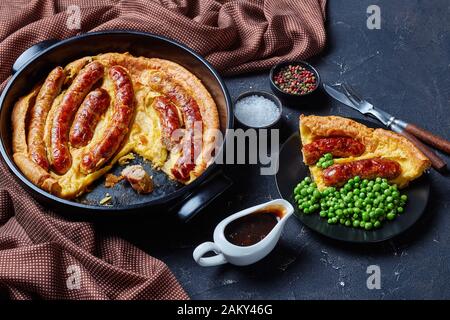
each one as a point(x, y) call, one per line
point(290, 97)
point(266, 95)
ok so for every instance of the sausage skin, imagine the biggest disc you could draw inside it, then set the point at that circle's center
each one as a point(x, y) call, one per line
point(191, 142)
point(337, 146)
point(87, 117)
point(338, 174)
point(38, 114)
point(169, 120)
point(60, 155)
point(123, 112)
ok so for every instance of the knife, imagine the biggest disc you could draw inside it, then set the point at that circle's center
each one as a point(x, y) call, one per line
point(410, 131)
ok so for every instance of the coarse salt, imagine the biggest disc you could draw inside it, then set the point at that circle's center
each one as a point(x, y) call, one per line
point(256, 111)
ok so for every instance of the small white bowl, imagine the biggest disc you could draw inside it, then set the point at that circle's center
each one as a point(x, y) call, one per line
point(226, 252)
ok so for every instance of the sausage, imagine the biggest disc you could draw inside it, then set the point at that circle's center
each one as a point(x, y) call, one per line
point(123, 111)
point(38, 114)
point(338, 174)
point(60, 155)
point(87, 117)
point(169, 120)
point(140, 181)
point(337, 146)
point(191, 142)
point(72, 69)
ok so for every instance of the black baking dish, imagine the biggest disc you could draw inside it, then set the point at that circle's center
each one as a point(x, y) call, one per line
point(36, 62)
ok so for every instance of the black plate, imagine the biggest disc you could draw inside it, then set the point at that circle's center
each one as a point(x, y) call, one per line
point(292, 170)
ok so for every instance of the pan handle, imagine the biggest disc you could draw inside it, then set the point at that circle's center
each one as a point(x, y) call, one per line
point(28, 54)
point(209, 190)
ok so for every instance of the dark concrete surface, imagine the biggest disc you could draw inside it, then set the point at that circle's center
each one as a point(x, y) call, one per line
point(402, 68)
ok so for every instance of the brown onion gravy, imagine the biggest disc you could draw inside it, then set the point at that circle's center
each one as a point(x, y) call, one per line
point(252, 228)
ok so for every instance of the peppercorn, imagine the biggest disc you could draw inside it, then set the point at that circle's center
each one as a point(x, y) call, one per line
point(295, 79)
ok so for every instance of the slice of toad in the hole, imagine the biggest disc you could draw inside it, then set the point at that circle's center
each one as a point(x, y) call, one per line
point(358, 150)
point(139, 179)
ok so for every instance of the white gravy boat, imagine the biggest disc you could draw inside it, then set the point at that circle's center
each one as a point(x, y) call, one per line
point(227, 252)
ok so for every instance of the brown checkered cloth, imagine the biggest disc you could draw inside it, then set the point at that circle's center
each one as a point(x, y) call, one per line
point(41, 254)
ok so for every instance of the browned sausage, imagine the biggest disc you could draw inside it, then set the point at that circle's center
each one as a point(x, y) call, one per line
point(82, 84)
point(170, 122)
point(139, 179)
point(87, 117)
point(38, 114)
point(191, 147)
point(337, 146)
point(338, 174)
point(123, 112)
point(191, 114)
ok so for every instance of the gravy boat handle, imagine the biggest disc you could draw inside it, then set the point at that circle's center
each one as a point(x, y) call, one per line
point(205, 247)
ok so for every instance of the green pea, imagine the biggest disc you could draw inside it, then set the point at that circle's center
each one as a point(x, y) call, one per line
point(390, 216)
point(390, 206)
point(362, 224)
point(357, 179)
point(376, 187)
point(400, 210)
point(307, 179)
point(395, 194)
point(379, 211)
point(342, 221)
point(365, 216)
point(404, 197)
point(330, 221)
point(362, 195)
point(348, 223)
point(368, 226)
point(372, 214)
point(335, 220)
point(377, 224)
point(306, 210)
point(356, 191)
point(384, 185)
point(330, 214)
point(356, 223)
point(389, 199)
point(371, 184)
point(323, 213)
point(328, 156)
point(387, 192)
point(378, 180)
point(297, 197)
